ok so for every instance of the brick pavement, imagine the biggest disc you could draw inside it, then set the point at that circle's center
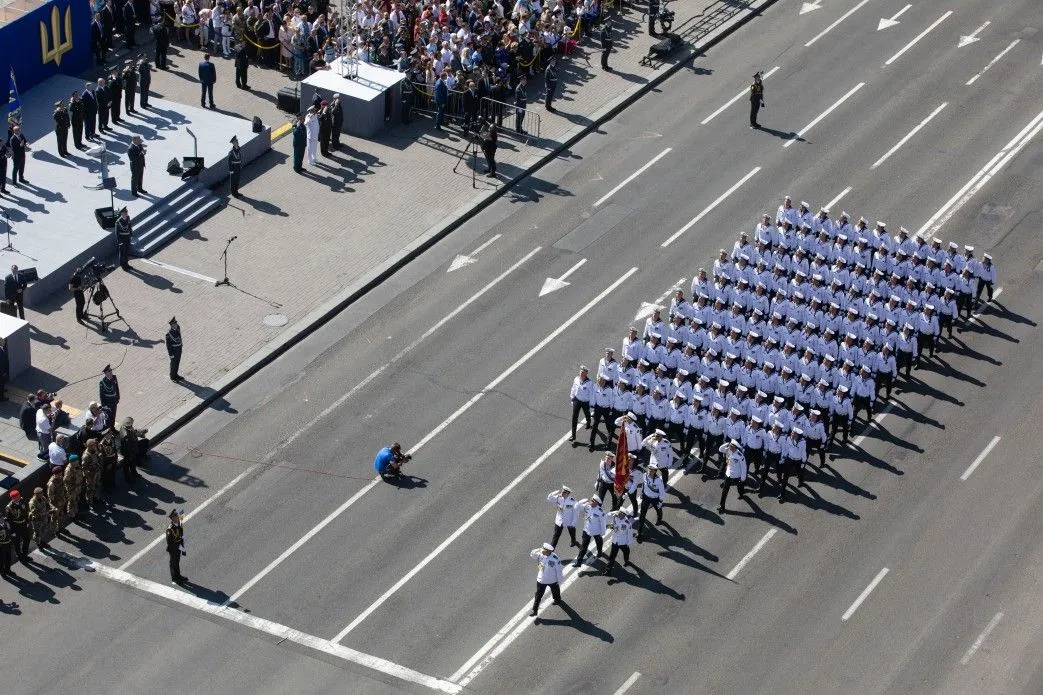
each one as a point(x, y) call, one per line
point(341, 205)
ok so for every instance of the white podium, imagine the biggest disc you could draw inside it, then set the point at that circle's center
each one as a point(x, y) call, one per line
point(16, 332)
point(372, 95)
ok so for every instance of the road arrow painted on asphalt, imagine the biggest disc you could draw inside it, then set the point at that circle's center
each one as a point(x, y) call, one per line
point(888, 23)
point(646, 310)
point(972, 37)
point(460, 261)
point(810, 6)
point(555, 284)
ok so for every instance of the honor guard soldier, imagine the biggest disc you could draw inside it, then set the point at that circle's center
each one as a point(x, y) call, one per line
point(136, 156)
point(661, 452)
point(593, 527)
point(61, 128)
point(756, 99)
point(581, 394)
point(863, 393)
point(622, 526)
point(18, 518)
point(175, 536)
point(40, 518)
point(735, 471)
point(606, 479)
point(794, 457)
point(235, 166)
point(56, 499)
point(550, 573)
point(109, 392)
point(652, 494)
point(6, 541)
point(565, 516)
point(601, 399)
point(174, 347)
point(124, 232)
point(815, 437)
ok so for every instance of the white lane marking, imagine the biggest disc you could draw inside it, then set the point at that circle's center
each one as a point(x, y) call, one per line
point(877, 421)
point(1000, 160)
point(628, 683)
point(830, 204)
point(266, 626)
point(865, 594)
point(452, 537)
point(175, 269)
point(981, 457)
point(706, 211)
point(405, 351)
point(916, 40)
point(188, 517)
point(555, 284)
point(431, 435)
point(648, 307)
point(749, 556)
point(893, 21)
point(972, 37)
point(981, 638)
point(908, 136)
point(633, 176)
point(810, 7)
point(976, 316)
point(735, 98)
point(835, 24)
point(461, 260)
point(992, 62)
point(822, 115)
point(517, 624)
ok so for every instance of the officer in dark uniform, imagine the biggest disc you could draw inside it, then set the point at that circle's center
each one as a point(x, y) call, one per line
point(6, 541)
point(550, 76)
point(18, 518)
point(144, 81)
point(130, 85)
point(756, 99)
point(61, 128)
point(136, 155)
point(5, 152)
point(161, 34)
point(115, 96)
point(174, 346)
point(19, 146)
point(90, 112)
point(76, 287)
point(124, 230)
point(176, 547)
point(103, 96)
point(606, 43)
point(235, 166)
point(76, 119)
point(325, 128)
point(242, 65)
point(109, 392)
point(521, 95)
point(337, 113)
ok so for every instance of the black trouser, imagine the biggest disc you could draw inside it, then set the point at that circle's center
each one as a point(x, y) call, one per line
point(772, 461)
point(601, 415)
point(583, 543)
point(161, 56)
point(788, 468)
point(22, 536)
point(861, 403)
point(884, 381)
point(490, 157)
point(605, 51)
point(124, 253)
point(5, 558)
point(963, 303)
point(3, 173)
point(541, 589)
point(926, 343)
point(983, 285)
point(90, 125)
point(130, 469)
point(110, 405)
point(335, 135)
point(604, 489)
point(233, 179)
point(519, 116)
point(240, 75)
point(114, 106)
point(137, 174)
point(77, 134)
point(143, 96)
point(108, 477)
point(945, 324)
point(103, 118)
point(819, 449)
point(557, 534)
point(175, 364)
point(653, 12)
point(841, 424)
point(755, 107)
point(62, 135)
point(206, 91)
point(647, 502)
point(613, 551)
point(99, 52)
point(18, 168)
point(578, 405)
point(692, 437)
point(905, 361)
point(713, 444)
point(632, 496)
point(551, 86)
point(728, 483)
point(81, 302)
point(128, 100)
point(175, 565)
point(755, 459)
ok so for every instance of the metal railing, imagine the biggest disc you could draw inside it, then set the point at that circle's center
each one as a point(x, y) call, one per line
point(424, 102)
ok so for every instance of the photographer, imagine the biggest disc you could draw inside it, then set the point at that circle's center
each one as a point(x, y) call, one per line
point(76, 287)
point(389, 460)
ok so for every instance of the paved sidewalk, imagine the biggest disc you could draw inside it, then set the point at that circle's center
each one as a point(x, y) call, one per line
point(306, 242)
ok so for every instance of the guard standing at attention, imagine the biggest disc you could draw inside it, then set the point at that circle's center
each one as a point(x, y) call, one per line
point(124, 231)
point(235, 166)
point(756, 99)
point(144, 80)
point(176, 547)
point(76, 113)
point(136, 156)
point(520, 99)
point(40, 518)
point(18, 517)
point(606, 43)
point(565, 517)
point(550, 574)
point(550, 77)
point(173, 339)
point(115, 97)
point(109, 392)
point(61, 128)
point(300, 143)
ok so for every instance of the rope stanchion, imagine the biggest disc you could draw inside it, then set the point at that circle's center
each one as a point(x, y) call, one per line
point(535, 57)
point(257, 45)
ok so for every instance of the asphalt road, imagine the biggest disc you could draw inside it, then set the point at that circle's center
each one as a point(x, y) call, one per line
point(471, 369)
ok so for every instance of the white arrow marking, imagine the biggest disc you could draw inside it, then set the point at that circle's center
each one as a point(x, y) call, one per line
point(809, 6)
point(971, 38)
point(888, 23)
point(646, 307)
point(646, 310)
point(461, 261)
point(555, 284)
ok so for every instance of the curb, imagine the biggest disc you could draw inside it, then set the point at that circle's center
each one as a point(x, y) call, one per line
point(319, 317)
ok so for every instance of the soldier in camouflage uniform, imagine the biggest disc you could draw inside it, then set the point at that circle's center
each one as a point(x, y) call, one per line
point(73, 480)
point(40, 518)
point(56, 499)
point(109, 450)
point(91, 465)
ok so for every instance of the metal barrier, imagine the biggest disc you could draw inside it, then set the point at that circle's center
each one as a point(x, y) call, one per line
point(424, 102)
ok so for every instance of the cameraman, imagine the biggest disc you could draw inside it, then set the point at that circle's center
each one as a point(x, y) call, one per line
point(76, 287)
point(389, 460)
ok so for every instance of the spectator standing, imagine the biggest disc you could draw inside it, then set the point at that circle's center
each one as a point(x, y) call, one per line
point(207, 78)
point(43, 431)
point(441, 97)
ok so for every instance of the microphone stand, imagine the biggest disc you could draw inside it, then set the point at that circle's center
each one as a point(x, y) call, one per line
point(224, 256)
point(7, 226)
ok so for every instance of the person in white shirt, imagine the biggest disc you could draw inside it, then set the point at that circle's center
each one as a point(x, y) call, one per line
point(735, 471)
point(661, 452)
point(550, 574)
point(565, 516)
point(593, 527)
point(622, 525)
point(652, 494)
point(56, 452)
point(986, 277)
point(43, 430)
point(606, 479)
point(581, 393)
point(794, 457)
point(601, 399)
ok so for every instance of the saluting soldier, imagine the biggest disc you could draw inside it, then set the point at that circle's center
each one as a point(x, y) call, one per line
point(622, 525)
point(76, 116)
point(130, 87)
point(109, 392)
point(144, 81)
point(124, 231)
point(175, 536)
point(40, 518)
point(18, 517)
point(337, 116)
point(136, 156)
point(61, 128)
point(174, 347)
point(235, 166)
point(756, 99)
point(565, 516)
point(115, 97)
point(550, 573)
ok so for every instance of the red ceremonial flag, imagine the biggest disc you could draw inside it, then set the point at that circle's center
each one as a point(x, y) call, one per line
point(622, 461)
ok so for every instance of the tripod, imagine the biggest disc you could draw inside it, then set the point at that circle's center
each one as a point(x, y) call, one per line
point(224, 257)
point(7, 223)
point(99, 294)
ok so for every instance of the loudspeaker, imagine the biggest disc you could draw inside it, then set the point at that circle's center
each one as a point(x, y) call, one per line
point(193, 167)
point(258, 126)
point(28, 274)
point(288, 100)
point(106, 217)
point(173, 167)
point(664, 48)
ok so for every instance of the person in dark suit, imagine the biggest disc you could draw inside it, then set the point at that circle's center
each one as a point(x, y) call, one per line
point(144, 80)
point(98, 38)
point(103, 96)
point(471, 103)
point(19, 146)
point(124, 233)
point(76, 119)
point(115, 96)
point(207, 78)
point(337, 111)
point(325, 129)
point(90, 112)
point(161, 34)
point(61, 128)
point(14, 290)
point(136, 155)
point(490, 141)
point(242, 66)
point(5, 152)
point(128, 24)
point(130, 85)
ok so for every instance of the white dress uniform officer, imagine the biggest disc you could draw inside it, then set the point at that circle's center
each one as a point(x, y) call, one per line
point(622, 525)
point(565, 516)
point(607, 479)
point(581, 393)
point(652, 494)
point(550, 573)
point(735, 471)
point(593, 526)
point(661, 452)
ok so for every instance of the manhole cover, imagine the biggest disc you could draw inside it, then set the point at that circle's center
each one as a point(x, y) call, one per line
point(276, 320)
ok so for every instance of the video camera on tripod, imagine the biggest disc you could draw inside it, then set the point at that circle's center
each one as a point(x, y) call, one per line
point(92, 276)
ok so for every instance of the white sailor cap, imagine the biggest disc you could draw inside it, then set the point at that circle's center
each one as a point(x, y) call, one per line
point(771, 340)
point(757, 419)
point(798, 407)
point(744, 256)
point(761, 394)
point(631, 415)
point(775, 314)
point(689, 346)
point(754, 334)
point(732, 355)
point(887, 346)
point(661, 433)
point(953, 245)
point(548, 546)
point(644, 363)
point(797, 431)
point(968, 247)
point(723, 252)
point(717, 406)
point(742, 388)
point(779, 399)
point(842, 388)
point(711, 352)
point(657, 390)
point(653, 467)
point(929, 306)
point(657, 336)
point(723, 382)
point(829, 358)
point(865, 368)
point(871, 316)
point(948, 290)
point(583, 368)
point(804, 376)
point(823, 382)
point(790, 345)
point(735, 411)
point(734, 442)
point(986, 257)
point(804, 203)
point(890, 321)
point(672, 339)
point(622, 382)
point(851, 335)
point(682, 373)
point(825, 210)
point(769, 365)
point(596, 498)
point(715, 324)
point(908, 326)
point(829, 331)
point(834, 305)
point(787, 369)
point(608, 349)
point(842, 237)
point(816, 412)
point(849, 363)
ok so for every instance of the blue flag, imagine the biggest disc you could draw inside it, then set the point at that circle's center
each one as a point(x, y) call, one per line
point(14, 104)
